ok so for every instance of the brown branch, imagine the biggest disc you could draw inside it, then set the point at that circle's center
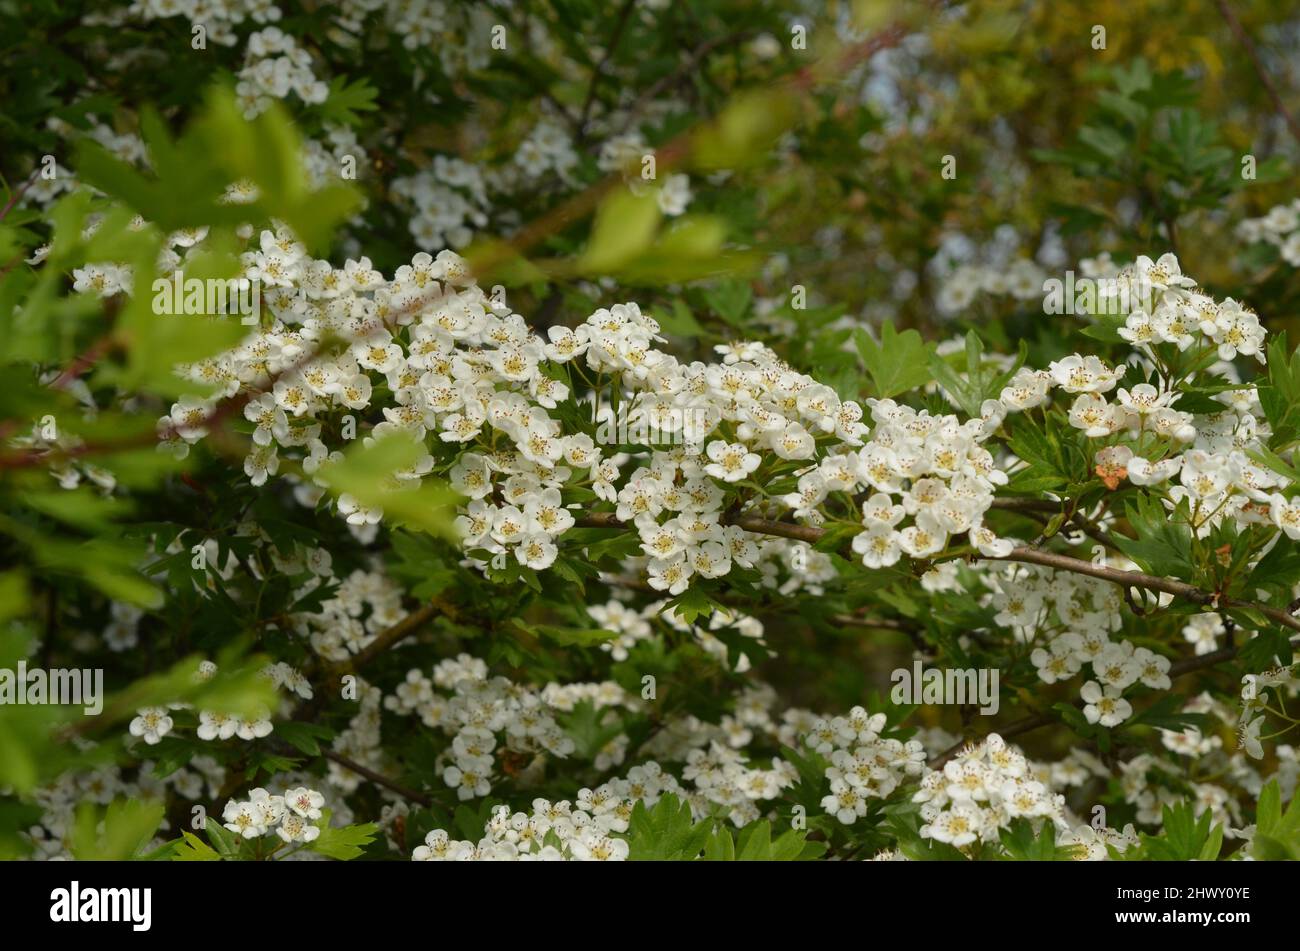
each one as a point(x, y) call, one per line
point(1264, 78)
point(392, 635)
point(377, 778)
point(1177, 669)
point(14, 196)
point(1023, 554)
point(585, 115)
point(672, 79)
point(1138, 579)
point(844, 620)
point(669, 156)
point(221, 411)
point(386, 639)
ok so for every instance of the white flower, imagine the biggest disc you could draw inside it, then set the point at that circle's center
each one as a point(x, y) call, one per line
point(1285, 514)
point(536, 551)
point(1139, 328)
point(469, 782)
point(1116, 666)
point(293, 828)
point(216, 726)
point(731, 462)
point(242, 818)
point(958, 826)
point(878, 546)
point(671, 575)
point(1144, 472)
point(675, 194)
point(151, 724)
point(304, 802)
point(1144, 399)
point(1058, 663)
point(845, 802)
point(1093, 415)
point(1077, 374)
point(1248, 735)
point(252, 728)
point(1154, 669)
point(924, 538)
point(1108, 707)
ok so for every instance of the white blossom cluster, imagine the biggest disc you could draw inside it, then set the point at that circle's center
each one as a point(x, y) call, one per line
point(986, 786)
point(864, 765)
point(588, 827)
point(1257, 691)
point(459, 33)
point(582, 830)
point(363, 604)
point(462, 367)
point(51, 838)
point(360, 742)
point(292, 816)
point(633, 626)
point(469, 371)
point(480, 712)
point(217, 17)
point(451, 201)
point(1071, 619)
point(151, 724)
point(1144, 430)
point(1280, 228)
point(42, 188)
point(1021, 280)
point(943, 477)
point(1143, 781)
point(628, 154)
point(324, 161)
point(275, 65)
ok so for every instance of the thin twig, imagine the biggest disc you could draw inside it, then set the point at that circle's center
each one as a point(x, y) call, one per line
point(672, 79)
point(1177, 669)
point(585, 115)
point(377, 778)
point(1264, 78)
point(1022, 554)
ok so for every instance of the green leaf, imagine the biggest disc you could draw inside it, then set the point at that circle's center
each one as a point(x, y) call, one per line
point(1279, 395)
point(193, 849)
point(1103, 140)
point(755, 844)
point(1024, 845)
point(343, 843)
point(1167, 714)
point(1277, 834)
point(898, 363)
point(568, 636)
point(116, 834)
point(1185, 835)
point(346, 99)
point(1164, 542)
point(730, 300)
point(720, 847)
point(591, 729)
point(625, 226)
point(303, 736)
point(745, 129)
point(665, 833)
point(692, 604)
point(226, 842)
point(366, 472)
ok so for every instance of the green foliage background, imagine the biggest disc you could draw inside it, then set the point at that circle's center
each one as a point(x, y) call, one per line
point(799, 179)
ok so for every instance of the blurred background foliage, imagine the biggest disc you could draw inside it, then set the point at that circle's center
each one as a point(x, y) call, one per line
point(817, 167)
